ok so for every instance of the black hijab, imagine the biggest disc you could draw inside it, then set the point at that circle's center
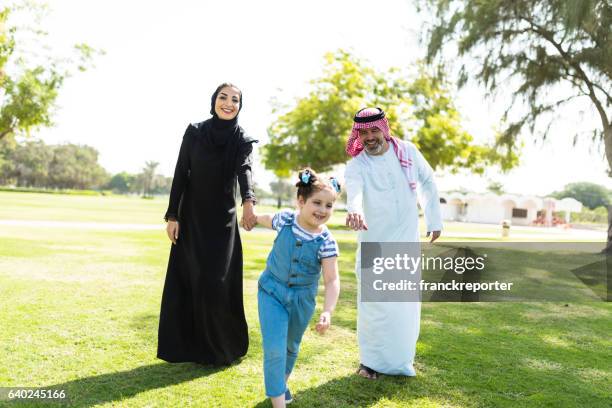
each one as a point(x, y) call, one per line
point(224, 135)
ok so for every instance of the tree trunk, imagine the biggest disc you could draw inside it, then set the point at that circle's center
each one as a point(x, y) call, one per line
point(608, 249)
point(608, 146)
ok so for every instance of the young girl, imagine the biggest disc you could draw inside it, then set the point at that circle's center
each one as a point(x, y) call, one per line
point(288, 286)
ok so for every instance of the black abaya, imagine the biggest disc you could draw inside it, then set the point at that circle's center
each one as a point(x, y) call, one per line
point(202, 315)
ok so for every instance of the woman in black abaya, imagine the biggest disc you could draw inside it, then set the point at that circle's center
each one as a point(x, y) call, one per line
point(202, 314)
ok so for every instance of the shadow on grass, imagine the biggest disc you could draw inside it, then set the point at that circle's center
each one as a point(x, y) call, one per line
point(349, 391)
point(104, 388)
point(481, 355)
point(353, 391)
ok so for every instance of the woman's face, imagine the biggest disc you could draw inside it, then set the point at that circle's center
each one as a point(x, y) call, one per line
point(227, 103)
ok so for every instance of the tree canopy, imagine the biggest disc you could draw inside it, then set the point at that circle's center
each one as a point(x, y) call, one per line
point(313, 131)
point(34, 164)
point(66, 166)
point(546, 53)
point(29, 86)
point(590, 194)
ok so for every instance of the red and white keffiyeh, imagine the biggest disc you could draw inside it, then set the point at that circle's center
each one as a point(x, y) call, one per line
point(354, 145)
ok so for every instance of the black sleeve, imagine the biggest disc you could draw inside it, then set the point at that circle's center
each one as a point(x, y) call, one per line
point(245, 172)
point(181, 176)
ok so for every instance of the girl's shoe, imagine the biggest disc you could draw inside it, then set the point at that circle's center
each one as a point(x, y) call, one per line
point(288, 397)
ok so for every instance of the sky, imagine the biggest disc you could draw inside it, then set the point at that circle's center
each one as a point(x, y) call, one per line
point(164, 59)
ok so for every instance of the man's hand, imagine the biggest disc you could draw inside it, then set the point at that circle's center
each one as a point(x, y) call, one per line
point(356, 222)
point(172, 229)
point(434, 235)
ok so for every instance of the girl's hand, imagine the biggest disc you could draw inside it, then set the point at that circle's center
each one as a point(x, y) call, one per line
point(172, 229)
point(324, 322)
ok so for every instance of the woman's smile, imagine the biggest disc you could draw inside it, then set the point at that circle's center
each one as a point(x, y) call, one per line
point(227, 103)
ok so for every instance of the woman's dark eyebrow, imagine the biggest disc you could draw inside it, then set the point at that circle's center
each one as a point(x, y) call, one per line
point(224, 94)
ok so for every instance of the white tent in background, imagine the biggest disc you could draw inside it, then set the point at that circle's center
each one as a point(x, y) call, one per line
point(493, 209)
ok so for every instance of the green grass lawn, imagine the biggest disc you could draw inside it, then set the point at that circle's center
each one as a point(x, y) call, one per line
point(59, 207)
point(79, 311)
point(109, 209)
point(135, 210)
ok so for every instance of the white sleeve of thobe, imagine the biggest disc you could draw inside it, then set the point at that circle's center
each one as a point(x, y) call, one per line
point(354, 187)
point(428, 194)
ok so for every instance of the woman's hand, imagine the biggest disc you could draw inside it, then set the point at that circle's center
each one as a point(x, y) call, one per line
point(324, 322)
point(249, 219)
point(172, 229)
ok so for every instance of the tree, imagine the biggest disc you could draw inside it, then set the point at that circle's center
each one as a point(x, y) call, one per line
point(121, 182)
point(34, 164)
point(313, 132)
point(282, 190)
point(496, 187)
point(29, 164)
point(439, 134)
point(161, 185)
point(29, 86)
point(260, 193)
point(546, 52)
point(7, 149)
point(590, 194)
point(148, 177)
point(76, 167)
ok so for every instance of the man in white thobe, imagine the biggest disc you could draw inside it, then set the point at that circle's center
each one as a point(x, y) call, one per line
point(381, 184)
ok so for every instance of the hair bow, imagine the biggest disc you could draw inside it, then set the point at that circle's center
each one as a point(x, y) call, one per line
point(305, 176)
point(334, 183)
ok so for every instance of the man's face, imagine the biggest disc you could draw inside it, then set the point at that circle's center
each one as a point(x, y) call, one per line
point(373, 141)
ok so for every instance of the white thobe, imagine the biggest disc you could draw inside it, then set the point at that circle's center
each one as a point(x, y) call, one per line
point(378, 188)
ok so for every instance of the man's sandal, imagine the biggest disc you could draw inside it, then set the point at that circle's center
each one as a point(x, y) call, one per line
point(372, 374)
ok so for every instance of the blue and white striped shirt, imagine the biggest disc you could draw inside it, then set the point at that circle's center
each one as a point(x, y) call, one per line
point(329, 247)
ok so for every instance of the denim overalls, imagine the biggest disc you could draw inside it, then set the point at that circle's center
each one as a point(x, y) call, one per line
point(286, 298)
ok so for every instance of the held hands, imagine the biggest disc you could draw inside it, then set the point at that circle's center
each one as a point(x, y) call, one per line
point(172, 229)
point(434, 235)
point(249, 219)
point(242, 224)
point(324, 322)
point(355, 221)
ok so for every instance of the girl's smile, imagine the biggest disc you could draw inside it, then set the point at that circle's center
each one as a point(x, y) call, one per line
point(316, 210)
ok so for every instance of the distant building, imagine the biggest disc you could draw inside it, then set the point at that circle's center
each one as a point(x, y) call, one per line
point(493, 209)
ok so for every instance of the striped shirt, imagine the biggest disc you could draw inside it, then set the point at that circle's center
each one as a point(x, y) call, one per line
point(329, 247)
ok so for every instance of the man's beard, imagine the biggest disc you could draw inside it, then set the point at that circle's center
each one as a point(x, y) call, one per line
point(375, 149)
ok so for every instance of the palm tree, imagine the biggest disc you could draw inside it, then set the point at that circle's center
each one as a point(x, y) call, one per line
point(148, 177)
